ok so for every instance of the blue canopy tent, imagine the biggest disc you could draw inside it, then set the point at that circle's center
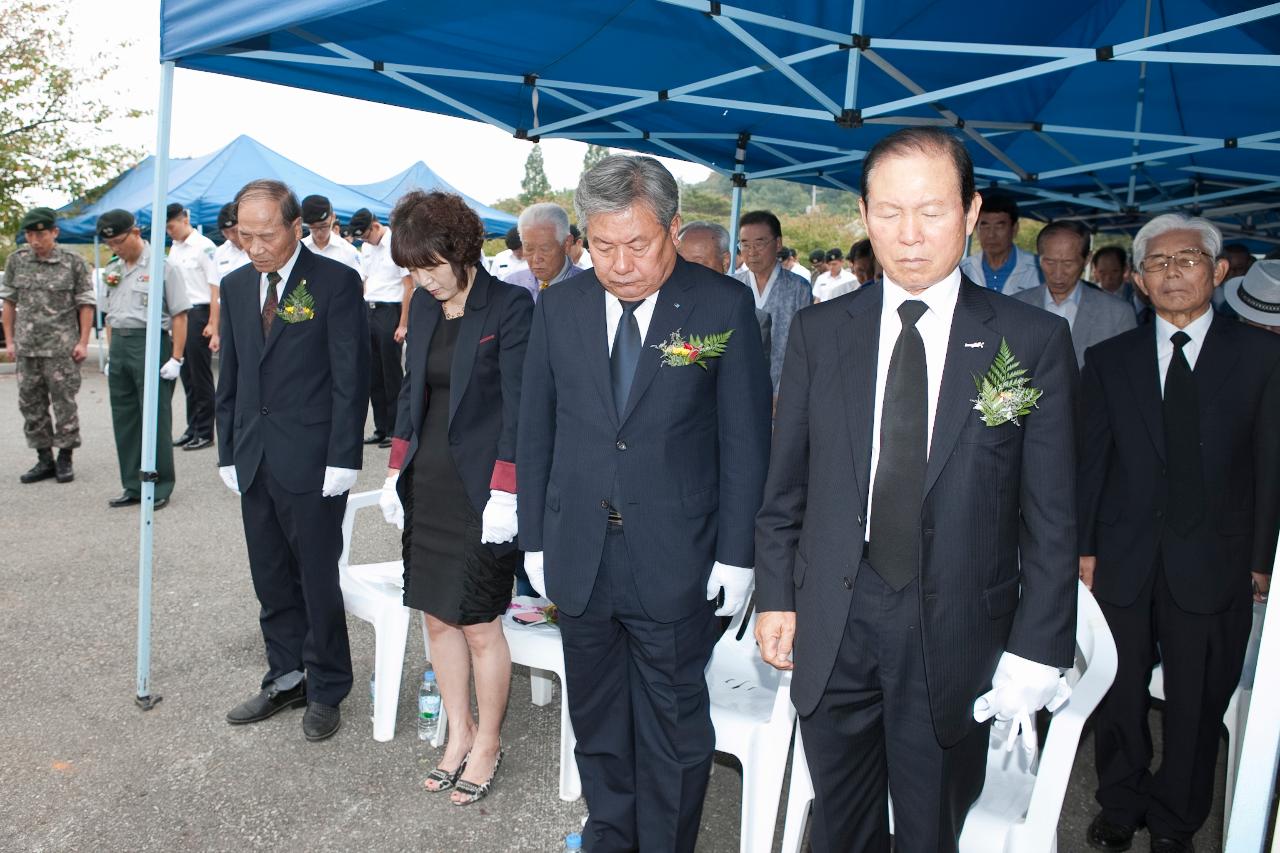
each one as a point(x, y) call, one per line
point(420, 176)
point(203, 185)
point(1110, 111)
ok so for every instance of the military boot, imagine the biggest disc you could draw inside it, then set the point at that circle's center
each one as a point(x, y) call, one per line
point(63, 466)
point(42, 470)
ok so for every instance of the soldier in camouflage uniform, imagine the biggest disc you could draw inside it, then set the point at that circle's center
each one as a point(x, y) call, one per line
point(48, 313)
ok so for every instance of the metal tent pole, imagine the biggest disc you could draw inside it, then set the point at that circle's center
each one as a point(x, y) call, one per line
point(151, 387)
point(735, 211)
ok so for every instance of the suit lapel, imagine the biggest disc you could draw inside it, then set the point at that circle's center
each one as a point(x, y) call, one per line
point(464, 352)
point(859, 342)
point(300, 270)
point(1214, 363)
point(591, 325)
point(669, 314)
point(968, 326)
point(1144, 381)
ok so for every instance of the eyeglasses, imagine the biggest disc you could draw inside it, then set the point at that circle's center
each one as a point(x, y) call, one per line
point(758, 245)
point(1186, 259)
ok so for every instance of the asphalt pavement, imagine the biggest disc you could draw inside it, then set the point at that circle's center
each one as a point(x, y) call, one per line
point(83, 768)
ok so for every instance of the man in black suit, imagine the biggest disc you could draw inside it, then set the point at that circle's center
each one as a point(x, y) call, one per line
point(906, 549)
point(641, 468)
point(1179, 506)
point(292, 395)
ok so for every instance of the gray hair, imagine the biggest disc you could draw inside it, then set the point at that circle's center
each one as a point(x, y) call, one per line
point(1210, 236)
point(718, 232)
point(619, 181)
point(545, 213)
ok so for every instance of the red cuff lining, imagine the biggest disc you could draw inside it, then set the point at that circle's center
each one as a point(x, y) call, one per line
point(504, 476)
point(399, 449)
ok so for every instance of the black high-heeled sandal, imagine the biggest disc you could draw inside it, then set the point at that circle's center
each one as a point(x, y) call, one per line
point(446, 779)
point(475, 793)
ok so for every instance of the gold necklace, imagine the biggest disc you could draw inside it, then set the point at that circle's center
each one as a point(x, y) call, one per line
point(454, 314)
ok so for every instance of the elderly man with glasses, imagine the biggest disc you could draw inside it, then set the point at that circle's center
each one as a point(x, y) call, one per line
point(777, 292)
point(1179, 507)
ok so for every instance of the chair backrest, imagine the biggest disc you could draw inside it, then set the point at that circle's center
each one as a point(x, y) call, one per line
point(1093, 673)
point(737, 650)
point(360, 500)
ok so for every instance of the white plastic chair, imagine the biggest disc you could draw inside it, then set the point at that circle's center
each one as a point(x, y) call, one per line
point(374, 592)
point(1237, 709)
point(753, 717)
point(1019, 807)
point(540, 648)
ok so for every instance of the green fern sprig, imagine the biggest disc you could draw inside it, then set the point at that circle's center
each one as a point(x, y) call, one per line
point(1004, 394)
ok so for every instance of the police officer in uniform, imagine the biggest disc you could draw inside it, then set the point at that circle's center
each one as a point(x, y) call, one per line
point(230, 255)
point(321, 221)
point(48, 312)
point(387, 289)
point(128, 283)
point(192, 254)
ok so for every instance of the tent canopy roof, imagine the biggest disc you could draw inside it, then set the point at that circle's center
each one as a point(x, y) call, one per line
point(1113, 110)
point(420, 176)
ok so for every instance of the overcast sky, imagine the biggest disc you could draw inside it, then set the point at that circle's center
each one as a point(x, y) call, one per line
point(349, 141)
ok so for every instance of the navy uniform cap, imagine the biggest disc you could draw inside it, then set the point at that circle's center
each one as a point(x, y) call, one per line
point(360, 221)
point(39, 219)
point(315, 208)
point(113, 223)
point(227, 216)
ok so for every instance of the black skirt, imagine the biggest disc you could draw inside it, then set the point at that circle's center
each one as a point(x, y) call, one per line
point(449, 572)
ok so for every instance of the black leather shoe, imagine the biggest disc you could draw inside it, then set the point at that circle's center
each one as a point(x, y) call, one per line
point(376, 438)
point(386, 442)
point(160, 503)
point(42, 470)
point(62, 468)
point(125, 499)
point(269, 702)
point(1164, 844)
point(320, 721)
point(184, 439)
point(198, 443)
point(1113, 837)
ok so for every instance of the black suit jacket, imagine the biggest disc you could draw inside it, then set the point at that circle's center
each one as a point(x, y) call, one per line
point(484, 384)
point(301, 396)
point(689, 453)
point(1123, 492)
point(998, 562)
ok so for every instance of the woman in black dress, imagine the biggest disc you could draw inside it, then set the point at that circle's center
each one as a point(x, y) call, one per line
point(452, 469)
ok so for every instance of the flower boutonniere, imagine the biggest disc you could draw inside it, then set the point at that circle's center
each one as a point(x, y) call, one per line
point(1004, 393)
point(299, 307)
point(678, 352)
point(112, 279)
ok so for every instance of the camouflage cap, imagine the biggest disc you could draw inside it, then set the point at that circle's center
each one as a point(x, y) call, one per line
point(113, 223)
point(39, 219)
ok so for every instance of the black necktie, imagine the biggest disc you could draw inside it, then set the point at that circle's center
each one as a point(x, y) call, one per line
point(1182, 441)
point(271, 303)
point(904, 442)
point(625, 355)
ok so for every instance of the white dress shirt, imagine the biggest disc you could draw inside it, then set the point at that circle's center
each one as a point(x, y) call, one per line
point(613, 315)
point(935, 330)
point(284, 271)
point(337, 249)
point(194, 259)
point(383, 280)
point(1067, 308)
point(1196, 330)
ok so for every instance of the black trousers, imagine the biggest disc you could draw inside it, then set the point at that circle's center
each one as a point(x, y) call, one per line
point(640, 709)
point(872, 735)
point(1202, 656)
point(294, 544)
point(384, 364)
point(197, 374)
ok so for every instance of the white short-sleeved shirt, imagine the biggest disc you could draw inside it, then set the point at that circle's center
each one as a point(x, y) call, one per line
point(194, 259)
point(229, 257)
point(337, 249)
point(383, 280)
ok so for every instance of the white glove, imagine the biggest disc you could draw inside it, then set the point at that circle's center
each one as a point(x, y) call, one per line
point(533, 568)
point(337, 481)
point(1019, 689)
point(736, 583)
point(499, 521)
point(106, 367)
point(389, 502)
point(228, 475)
point(171, 369)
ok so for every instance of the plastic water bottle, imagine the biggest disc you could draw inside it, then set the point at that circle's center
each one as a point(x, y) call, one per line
point(428, 706)
point(573, 841)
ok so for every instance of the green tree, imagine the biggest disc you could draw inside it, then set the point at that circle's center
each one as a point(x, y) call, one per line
point(52, 130)
point(595, 153)
point(535, 184)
